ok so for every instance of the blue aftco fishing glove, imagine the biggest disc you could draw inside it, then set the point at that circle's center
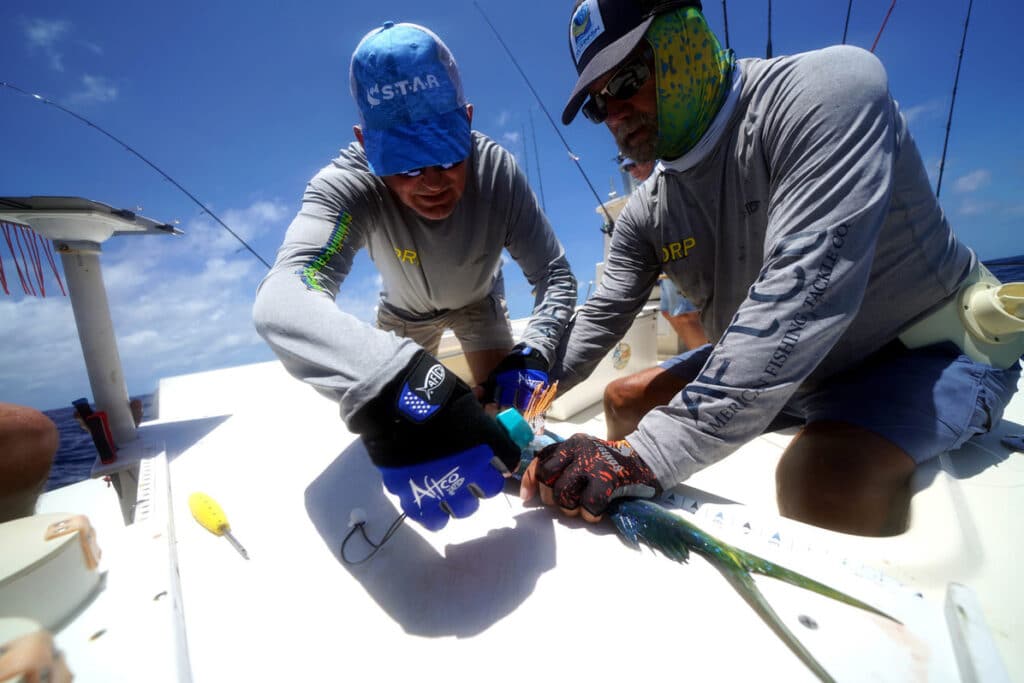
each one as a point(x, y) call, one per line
point(436, 448)
point(514, 379)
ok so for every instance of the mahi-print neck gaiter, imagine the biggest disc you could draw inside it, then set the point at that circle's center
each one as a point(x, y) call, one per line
point(692, 75)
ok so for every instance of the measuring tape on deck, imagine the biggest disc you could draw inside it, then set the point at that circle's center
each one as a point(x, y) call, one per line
point(740, 526)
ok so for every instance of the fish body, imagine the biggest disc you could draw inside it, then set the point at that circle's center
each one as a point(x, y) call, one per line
point(640, 520)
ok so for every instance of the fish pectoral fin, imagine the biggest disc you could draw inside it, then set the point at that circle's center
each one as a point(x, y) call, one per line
point(641, 520)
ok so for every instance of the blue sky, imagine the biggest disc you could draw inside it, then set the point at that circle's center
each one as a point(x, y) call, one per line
point(243, 103)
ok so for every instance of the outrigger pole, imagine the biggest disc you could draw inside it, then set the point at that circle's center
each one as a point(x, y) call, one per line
point(952, 101)
point(573, 156)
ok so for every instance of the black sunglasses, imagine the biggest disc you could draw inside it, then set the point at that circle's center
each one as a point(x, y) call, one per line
point(623, 84)
point(416, 172)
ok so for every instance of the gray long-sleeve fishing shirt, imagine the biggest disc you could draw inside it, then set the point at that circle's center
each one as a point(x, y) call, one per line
point(427, 267)
point(806, 231)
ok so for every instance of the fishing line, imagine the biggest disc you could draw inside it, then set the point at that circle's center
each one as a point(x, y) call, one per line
point(956, 81)
point(358, 523)
point(575, 158)
point(128, 147)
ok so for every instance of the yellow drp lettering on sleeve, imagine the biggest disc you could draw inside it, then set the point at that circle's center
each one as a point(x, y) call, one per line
point(677, 250)
point(407, 256)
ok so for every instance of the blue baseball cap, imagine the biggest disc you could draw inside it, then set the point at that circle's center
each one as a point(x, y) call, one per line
point(411, 106)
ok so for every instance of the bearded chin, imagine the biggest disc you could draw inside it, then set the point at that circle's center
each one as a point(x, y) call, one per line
point(642, 151)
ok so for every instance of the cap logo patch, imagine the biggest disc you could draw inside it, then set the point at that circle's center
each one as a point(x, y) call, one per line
point(585, 27)
point(378, 93)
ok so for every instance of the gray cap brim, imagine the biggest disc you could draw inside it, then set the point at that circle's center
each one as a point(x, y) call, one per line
point(601, 63)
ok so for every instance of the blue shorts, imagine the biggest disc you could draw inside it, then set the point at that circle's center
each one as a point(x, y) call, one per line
point(926, 401)
point(672, 300)
point(687, 364)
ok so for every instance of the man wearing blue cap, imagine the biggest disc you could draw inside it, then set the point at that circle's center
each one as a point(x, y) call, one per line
point(792, 207)
point(435, 203)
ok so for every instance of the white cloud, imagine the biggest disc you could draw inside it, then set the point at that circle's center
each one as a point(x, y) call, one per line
point(503, 118)
point(178, 305)
point(249, 223)
point(51, 38)
point(970, 207)
point(39, 345)
point(922, 111)
point(510, 137)
point(143, 339)
point(126, 275)
point(973, 181)
point(45, 35)
point(94, 89)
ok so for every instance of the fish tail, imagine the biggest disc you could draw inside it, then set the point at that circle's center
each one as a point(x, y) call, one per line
point(642, 520)
point(745, 586)
point(756, 564)
point(666, 531)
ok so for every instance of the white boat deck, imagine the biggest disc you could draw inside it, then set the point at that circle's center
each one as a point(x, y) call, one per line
point(514, 590)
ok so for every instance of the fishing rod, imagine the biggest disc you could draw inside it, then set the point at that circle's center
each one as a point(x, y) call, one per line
point(884, 22)
point(536, 160)
point(40, 98)
point(768, 48)
point(846, 26)
point(956, 81)
point(575, 157)
point(725, 20)
point(526, 151)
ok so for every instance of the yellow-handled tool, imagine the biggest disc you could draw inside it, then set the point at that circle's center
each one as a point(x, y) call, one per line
point(208, 513)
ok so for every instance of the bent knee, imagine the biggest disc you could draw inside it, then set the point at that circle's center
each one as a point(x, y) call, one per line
point(622, 392)
point(841, 477)
point(28, 443)
point(625, 404)
point(24, 428)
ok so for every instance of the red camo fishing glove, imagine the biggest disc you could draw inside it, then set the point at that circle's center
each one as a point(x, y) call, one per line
point(584, 470)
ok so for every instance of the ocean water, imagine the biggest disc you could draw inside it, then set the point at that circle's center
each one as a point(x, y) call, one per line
point(1007, 269)
point(76, 452)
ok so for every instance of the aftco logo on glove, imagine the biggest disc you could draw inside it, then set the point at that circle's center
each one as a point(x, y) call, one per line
point(436, 489)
